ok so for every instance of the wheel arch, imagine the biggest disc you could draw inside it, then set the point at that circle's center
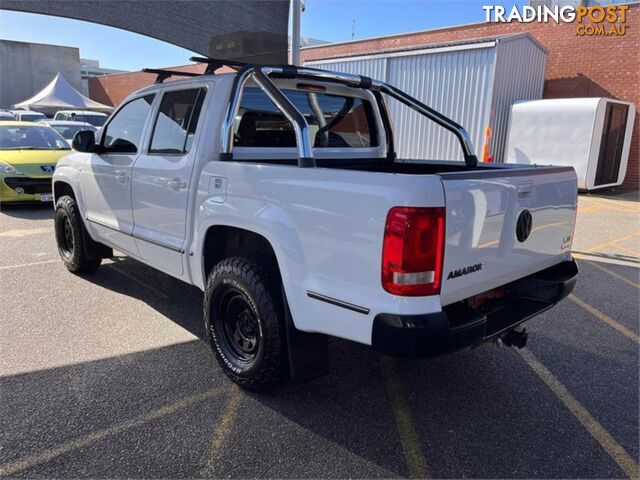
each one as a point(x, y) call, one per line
point(61, 188)
point(224, 241)
point(65, 183)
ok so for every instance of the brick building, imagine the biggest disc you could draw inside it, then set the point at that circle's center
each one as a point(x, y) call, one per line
point(578, 66)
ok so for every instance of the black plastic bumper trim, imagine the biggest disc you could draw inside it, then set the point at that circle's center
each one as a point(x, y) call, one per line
point(31, 186)
point(459, 326)
point(338, 303)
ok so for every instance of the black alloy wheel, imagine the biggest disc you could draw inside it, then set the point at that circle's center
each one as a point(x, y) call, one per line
point(240, 327)
point(244, 319)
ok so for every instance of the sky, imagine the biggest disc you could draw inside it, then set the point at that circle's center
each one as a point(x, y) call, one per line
point(330, 20)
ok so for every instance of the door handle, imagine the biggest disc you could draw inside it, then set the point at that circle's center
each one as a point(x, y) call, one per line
point(177, 184)
point(121, 176)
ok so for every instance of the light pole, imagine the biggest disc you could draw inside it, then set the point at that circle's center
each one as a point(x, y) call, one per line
point(297, 7)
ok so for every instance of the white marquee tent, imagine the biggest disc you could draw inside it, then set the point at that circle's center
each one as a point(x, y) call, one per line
point(60, 95)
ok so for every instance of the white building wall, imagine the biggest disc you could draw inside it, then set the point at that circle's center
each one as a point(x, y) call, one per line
point(519, 75)
point(26, 68)
point(473, 83)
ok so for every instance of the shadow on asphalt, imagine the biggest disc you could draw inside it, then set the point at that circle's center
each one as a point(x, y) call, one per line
point(349, 406)
point(478, 413)
point(45, 409)
point(28, 211)
point(176, 300)
point(485, 405)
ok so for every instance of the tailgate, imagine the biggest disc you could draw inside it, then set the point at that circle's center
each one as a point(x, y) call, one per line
point(488, 215)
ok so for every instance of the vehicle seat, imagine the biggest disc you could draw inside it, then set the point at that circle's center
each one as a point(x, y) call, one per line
point(246, 136)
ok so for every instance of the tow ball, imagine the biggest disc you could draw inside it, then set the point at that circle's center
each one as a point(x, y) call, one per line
point(515, 338)
point(512, 338)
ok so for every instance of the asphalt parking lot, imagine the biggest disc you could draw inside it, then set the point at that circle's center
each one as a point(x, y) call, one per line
point(108, 376)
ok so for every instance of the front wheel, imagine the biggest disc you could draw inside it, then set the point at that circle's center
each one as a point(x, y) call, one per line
point(72, 238)
point(244, 317)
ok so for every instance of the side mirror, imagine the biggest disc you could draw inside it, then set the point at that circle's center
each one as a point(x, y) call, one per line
point(84, 141)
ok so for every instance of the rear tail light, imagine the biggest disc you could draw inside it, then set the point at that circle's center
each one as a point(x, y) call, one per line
point(413, 250)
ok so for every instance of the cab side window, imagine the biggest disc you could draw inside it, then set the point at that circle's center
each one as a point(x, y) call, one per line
point(176, 122)
point(124, 132)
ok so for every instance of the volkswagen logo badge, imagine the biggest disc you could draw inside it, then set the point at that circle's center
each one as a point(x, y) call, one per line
point(47, 168)
point(524, 224)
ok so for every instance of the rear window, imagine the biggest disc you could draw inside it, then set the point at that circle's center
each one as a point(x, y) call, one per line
point(176, 121)
point(335, 121)
point(95, 120)
point(31, 117)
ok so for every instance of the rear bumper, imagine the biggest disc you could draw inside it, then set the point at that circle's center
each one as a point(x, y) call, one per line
point(458, 326)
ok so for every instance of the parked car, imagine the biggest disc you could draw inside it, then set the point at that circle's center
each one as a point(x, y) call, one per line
point(28, 115)
point(4, 115)
point(299, 222)
point(96, 119)
point(29, 153)
point(68, 129)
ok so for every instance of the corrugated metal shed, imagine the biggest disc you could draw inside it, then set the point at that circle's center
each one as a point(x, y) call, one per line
point(472, 81)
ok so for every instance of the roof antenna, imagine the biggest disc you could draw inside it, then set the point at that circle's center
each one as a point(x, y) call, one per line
point(353, 29)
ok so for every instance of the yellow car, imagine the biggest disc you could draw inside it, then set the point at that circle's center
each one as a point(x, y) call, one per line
point(29, 153)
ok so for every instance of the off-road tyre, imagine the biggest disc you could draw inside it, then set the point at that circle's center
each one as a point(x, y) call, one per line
point(241, 293)
point(79, 253)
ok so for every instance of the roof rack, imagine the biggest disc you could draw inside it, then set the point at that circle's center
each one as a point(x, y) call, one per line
point(215, 63)
point(212, 65)
point(164, 74)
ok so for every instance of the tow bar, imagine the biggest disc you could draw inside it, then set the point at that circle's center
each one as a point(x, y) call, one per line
point(515, 338)
point(512, 338)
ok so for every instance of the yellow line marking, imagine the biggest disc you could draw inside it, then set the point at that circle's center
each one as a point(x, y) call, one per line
point(607, 200)
point(609, 258)
point(89, 439)
point(33, 264)
point(623, 209)
point(610, 242)
point(587, 210)
point(25, 232)
point(606, 270)
point(604, 438)
point(413, 455)
point(605, 318)
point(600, 208)
point(224, 427)
point(628, 250)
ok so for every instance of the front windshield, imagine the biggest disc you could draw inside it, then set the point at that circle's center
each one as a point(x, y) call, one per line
point(69, 131)
point(30, 138)
point(95, 120)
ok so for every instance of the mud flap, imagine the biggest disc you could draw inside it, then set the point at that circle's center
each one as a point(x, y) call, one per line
point(308, 352)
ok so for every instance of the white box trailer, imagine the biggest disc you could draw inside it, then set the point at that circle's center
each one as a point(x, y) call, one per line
point(474, 82)
point(593, 135)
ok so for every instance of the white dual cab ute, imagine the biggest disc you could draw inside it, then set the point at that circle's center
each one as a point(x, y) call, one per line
point(276, 190)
